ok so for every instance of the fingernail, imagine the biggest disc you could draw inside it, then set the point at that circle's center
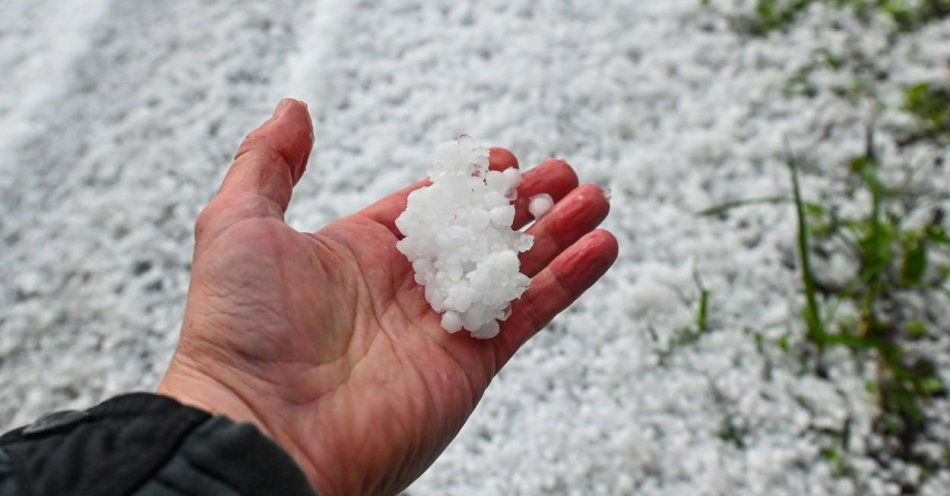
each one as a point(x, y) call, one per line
point(589, 264)
point(283, 106)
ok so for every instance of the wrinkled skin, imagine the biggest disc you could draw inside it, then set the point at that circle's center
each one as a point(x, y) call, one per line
point(324, 340)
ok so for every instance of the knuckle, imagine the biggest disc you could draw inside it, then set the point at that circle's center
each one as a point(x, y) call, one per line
point(203, 221)
point(532, 312)
point(259, 148)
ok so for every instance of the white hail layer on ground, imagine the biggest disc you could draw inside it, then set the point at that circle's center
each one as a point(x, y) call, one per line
point(459, 239)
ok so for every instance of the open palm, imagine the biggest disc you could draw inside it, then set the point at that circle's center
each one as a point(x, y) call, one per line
point(325, 341)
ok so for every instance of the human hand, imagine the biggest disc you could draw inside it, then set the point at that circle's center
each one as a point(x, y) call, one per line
point(325, 341)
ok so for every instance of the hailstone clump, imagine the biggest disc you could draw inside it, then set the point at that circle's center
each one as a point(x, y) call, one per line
point(459, 239)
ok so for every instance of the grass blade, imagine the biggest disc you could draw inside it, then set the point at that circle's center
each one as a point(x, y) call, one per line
point(816, 328)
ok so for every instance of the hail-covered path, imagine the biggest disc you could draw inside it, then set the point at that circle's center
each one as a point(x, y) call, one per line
point(118, 120)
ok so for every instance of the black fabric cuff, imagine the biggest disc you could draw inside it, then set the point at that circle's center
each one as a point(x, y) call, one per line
point(144, 444)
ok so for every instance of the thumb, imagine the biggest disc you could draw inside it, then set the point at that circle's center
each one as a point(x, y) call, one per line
point(268, 164)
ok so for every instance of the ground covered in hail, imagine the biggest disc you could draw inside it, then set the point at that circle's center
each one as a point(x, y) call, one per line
point(118, 119)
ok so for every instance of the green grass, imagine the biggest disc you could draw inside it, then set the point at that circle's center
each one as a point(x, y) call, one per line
point(768, 16)
point(723, 208)
point(893, 261)
point(687, 335)
point(813, 319)
point(930, 105)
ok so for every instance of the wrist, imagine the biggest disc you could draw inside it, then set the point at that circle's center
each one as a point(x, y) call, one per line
point(191, 387)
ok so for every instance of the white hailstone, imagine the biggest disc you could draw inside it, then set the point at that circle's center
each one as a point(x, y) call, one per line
point(459, 239)
point(451, 321)
point(540, 204)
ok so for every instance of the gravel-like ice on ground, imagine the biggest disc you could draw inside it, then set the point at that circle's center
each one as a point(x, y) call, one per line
point(117, 125)
point(459, 239)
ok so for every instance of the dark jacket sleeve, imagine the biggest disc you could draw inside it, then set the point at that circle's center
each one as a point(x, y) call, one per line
point(144, 445)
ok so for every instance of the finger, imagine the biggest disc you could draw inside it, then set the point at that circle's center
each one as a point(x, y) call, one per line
point(554, 177)
point(273, 157)
point(554, 289)
point(575, 215)
point(268, 163)
point(500, 159)
point(386, 210)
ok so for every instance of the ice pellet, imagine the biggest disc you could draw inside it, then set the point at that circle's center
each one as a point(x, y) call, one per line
point(540, 204)
point(451, 321)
